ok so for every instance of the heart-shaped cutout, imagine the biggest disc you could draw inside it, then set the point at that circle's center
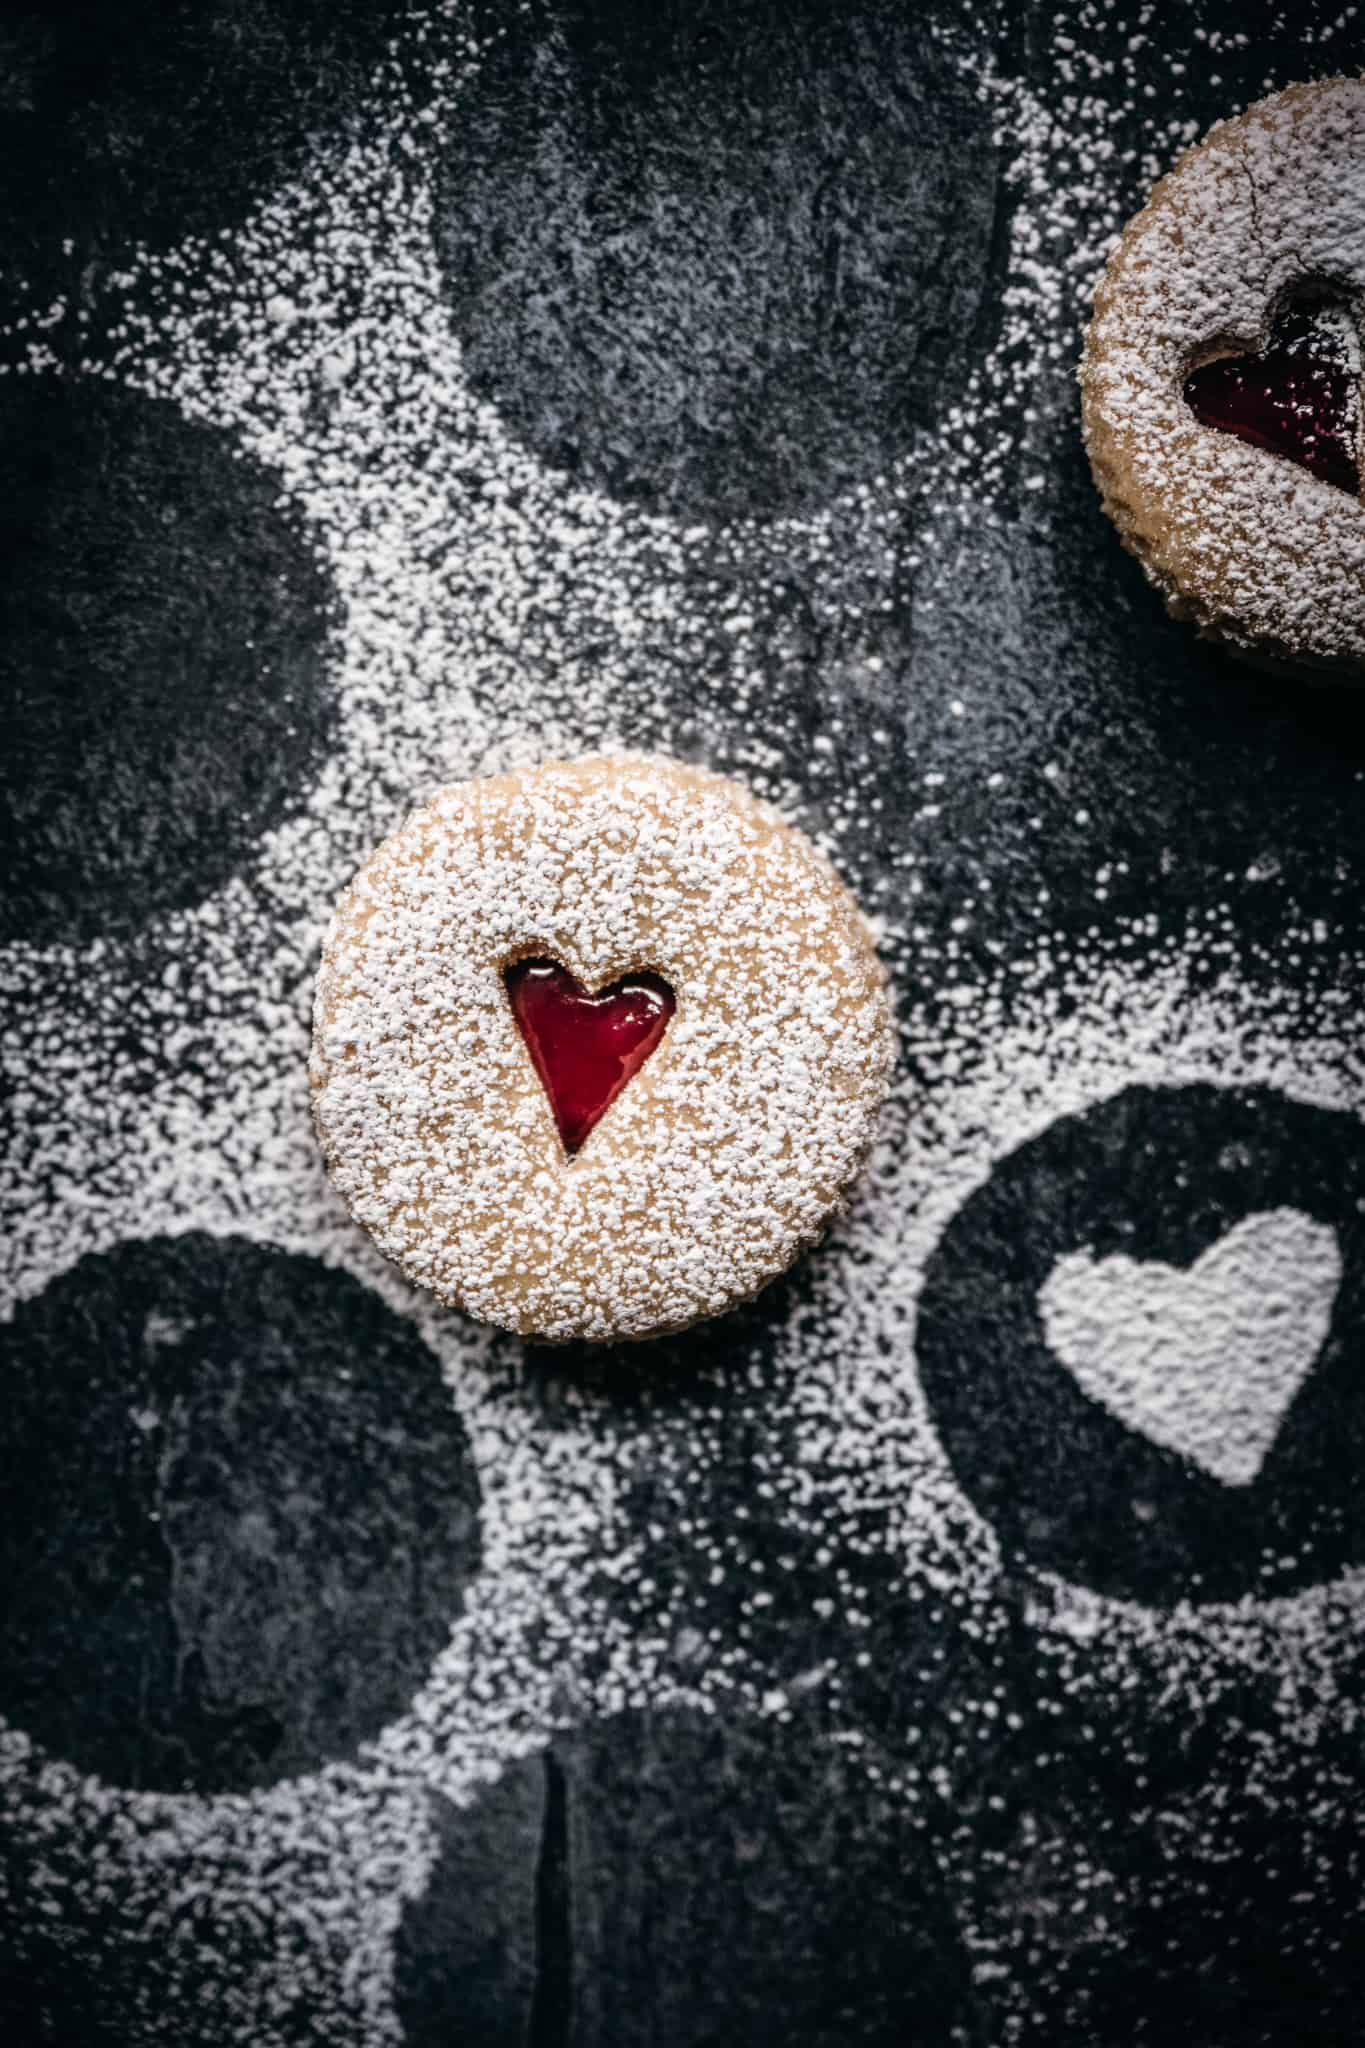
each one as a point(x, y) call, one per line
point(1299, 396)
point(585, 1047)
point(1203, 1361)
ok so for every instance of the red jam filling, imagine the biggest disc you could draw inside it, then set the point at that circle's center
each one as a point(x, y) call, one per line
point(586, 1047)
point(1298, 397)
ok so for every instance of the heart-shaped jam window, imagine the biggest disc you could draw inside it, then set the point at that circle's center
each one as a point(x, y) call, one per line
point(585, 1047)
point(1299, 396)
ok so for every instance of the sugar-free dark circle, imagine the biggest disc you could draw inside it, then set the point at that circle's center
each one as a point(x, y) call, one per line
point(164, 660)
point(1152, 1175)
point(239, 1515)
point(673, 292)
point(695, 1880)
point(468, 1954)
point(155, 118)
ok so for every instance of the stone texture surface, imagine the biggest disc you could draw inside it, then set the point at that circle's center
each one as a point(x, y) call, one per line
point(669, 1877)
point(239, 1514)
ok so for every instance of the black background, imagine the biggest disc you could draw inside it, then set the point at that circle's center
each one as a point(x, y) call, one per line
point(656, 1878)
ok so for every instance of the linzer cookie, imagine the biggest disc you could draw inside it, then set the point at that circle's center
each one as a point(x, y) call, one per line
point(1221, 381)
point(598, 1047)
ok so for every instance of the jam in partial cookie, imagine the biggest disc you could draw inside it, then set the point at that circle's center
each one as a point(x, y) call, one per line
point(1298, 397)
point(1240, 544)
point(586, 1047)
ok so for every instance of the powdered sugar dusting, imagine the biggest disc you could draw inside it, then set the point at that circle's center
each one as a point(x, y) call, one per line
point(1206, 1361)
point(494, 616)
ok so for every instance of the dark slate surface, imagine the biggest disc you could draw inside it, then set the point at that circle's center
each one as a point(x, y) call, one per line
point(1064, 1481)
point(468, 1951)
point(225, 1468)
point(656, 1878)
point(160, 118)
point(165, 636)
point(736, 253)
point(697, 1881)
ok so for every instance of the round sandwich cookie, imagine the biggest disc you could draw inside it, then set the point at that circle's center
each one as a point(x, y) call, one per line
point(1221, 381)
point(598, 1047)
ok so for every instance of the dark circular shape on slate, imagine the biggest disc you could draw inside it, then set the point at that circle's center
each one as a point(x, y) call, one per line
point(721, 257)
point(164, 687)
point(239, 1512)
point(467, 1952)
point(697, 1880)
point(150, 119)
point(1158, 1174)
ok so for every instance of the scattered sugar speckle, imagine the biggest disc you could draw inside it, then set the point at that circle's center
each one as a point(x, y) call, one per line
point(493, 616)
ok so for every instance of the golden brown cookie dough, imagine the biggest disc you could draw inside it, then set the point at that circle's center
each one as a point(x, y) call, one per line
point(720, 1159)
point(1250, 544)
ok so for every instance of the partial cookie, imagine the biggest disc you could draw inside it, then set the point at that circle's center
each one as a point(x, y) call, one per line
point(597, 1047)
point(1221, 381)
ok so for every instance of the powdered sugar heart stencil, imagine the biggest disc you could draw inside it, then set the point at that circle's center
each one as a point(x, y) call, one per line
point(1203, 1361)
